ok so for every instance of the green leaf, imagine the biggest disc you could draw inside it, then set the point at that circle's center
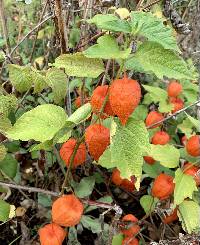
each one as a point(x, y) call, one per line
point(188, 213)
point(20, 77)
point(185, 185)
point(72, 236)
point(46, 145)
point(8, 103)
point(9, 166)
point(186, 127)
point(91, 224)
point(154, 170)
point(157, 94)
point(80, 66)
point(148, 25)
point(148, 203)
point(44, 200)
point(129, 145)
point(194, 121)
point(140, 113)
point(38, 80)
point(64, 133)
point(5, 124)
point(57, 80)
point(4, 210)
point(23, 77)
point(85, 187)
point(81, 114)
point(190, 90)
point(110, 22)
point(153, 58)
point(117, 239)
point(2, 152)
point(167, 155)
point(106, 48)
point(165, 106)
point(40, 123)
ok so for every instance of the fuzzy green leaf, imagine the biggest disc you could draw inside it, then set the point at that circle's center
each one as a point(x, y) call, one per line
point(8, 103)
point(110, 22)
point(148, 25)
point(188, 214)
point(2, 152)
point(185, 185)
point(5, 124)
point(128, 146)
point(80, 66)
point(20, 77)
point(153, 58)
point(57, 80)
point(23, 77)
point(106, 48)
point(40, 123)
point(167, 155)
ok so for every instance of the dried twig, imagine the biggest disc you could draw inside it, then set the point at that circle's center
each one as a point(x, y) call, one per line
point(29, 33)
point(174, 114)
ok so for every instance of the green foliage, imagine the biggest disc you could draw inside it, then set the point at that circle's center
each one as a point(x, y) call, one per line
point(91, 224)
point(127, 149)
point(157, 94)
point(8, 103)
point(57, 80)
point(106, 48)
point(2, 152)
point(4, 210)
point(81, 114)
point(188, 214)
point(194, 121)
point(185, 185)
point(151, 27)
point(153, 58)
point(148, 203)
point(23, 77)
point(40, 124)
point(154, 170)
point(117, 239)
point(110, 22)
point(190, 90)
point(8, 166)
point(80, 66)
point(167, 155)
point(85, 187)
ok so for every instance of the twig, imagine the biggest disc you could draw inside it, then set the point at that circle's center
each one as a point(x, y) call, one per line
point(4, 27)
point(106, 71)
point(30, 32)
point(173, 115)
point(57, 194)
point(59, 160)
point(29, 189)
point(150, 5)
point(37, 30)
point(91, 39)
